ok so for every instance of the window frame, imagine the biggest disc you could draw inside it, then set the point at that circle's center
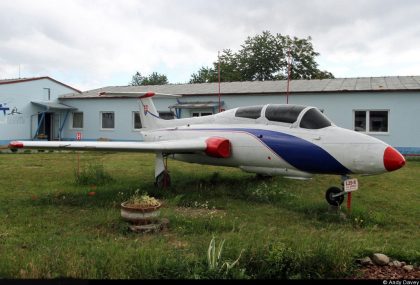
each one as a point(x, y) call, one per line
point(72, 121)
point(166, 112)
point(321, 120)
point(101, 121)
point(367, 112)
point(209, 113)
point(133, 121)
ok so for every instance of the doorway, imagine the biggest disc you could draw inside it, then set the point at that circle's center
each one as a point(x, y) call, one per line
point(46, 126)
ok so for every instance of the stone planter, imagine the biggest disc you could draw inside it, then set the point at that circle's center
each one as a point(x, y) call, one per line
point(140, 215)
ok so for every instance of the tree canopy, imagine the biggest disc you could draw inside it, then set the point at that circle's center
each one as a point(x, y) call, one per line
point(153, 79)
point(265, 57)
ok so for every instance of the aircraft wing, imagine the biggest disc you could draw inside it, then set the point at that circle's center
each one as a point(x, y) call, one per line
point(212, 146)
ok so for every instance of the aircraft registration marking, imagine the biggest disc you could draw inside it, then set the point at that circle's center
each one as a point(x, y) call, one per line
point(351, 185)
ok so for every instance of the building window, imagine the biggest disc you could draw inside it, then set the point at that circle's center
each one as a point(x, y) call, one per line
point(201, 114)
point(371, 121)
point(108, 120)
point(77, 120)
point(166, 115)
point(136, 121)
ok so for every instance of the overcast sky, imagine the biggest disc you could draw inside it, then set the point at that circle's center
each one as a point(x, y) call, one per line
point(97, 43)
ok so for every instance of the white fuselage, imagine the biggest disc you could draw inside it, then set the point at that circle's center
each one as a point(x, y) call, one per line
point(272, 148)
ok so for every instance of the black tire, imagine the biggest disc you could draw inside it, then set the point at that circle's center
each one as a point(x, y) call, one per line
point(163, 180)
point(334, 201)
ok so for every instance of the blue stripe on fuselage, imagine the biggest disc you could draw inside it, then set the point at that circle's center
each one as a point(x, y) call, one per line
point(298, 152)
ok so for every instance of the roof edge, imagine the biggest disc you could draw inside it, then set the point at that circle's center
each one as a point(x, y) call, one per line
point(19, 80)
point(252, 93)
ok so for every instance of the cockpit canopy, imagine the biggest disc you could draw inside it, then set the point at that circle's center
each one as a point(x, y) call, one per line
point(311, 117)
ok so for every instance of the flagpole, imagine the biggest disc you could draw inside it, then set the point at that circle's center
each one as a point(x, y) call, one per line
point(289, 61)
point(218, 75)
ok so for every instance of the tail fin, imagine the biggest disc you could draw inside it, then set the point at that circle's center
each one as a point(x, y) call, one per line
point(149, 116)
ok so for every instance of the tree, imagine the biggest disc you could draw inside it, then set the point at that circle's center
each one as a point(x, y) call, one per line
point(229, 70)
point(265, 57)
point(153, 79)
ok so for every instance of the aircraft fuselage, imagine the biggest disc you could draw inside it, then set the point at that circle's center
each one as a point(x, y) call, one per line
point(279, 150)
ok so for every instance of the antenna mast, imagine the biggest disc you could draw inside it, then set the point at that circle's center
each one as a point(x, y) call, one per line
point(289, 61)
point(218, 75)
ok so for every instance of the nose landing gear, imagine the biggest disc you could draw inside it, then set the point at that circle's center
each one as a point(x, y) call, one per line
point(335, 195)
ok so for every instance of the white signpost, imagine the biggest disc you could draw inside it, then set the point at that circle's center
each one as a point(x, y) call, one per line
point(351, 185)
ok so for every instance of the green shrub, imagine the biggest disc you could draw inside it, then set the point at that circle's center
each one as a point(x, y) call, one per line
point(324, 259)
point(92, 174)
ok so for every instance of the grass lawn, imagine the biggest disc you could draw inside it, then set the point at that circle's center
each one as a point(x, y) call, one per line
point(50, 227)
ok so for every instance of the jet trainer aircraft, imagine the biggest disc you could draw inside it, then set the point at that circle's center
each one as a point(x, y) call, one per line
point(289, 140)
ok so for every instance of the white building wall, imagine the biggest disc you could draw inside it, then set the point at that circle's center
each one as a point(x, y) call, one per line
point(123, 110)
point(18, 96)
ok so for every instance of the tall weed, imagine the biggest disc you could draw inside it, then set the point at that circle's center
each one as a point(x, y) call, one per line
point(92, 174)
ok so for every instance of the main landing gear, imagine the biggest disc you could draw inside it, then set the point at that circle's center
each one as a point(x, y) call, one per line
point(335, 195)
point(162, 177)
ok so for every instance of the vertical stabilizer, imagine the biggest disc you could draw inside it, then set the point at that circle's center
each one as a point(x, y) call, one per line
point(149, 116)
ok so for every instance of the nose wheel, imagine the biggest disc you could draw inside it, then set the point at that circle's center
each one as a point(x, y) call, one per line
point(334, 196)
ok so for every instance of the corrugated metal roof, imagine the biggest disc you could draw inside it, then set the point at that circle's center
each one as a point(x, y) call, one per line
point(391, 83)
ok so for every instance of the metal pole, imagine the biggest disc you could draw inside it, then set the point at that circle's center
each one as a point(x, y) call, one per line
point(218, 59)
point(289, 61)
point(349, 202)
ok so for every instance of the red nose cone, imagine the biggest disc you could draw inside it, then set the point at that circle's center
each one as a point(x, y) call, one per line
point(393, 160)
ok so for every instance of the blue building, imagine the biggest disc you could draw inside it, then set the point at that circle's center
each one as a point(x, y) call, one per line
point(29, 108)
point(384, 107)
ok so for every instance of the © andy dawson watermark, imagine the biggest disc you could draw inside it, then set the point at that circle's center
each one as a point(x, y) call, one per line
point(400, 282)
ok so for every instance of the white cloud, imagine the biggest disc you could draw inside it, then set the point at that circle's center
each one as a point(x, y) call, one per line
point(96, 43)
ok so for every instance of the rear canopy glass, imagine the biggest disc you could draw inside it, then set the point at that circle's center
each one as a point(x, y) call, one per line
point(253, 112)
point(314, 119)
point(283, 113)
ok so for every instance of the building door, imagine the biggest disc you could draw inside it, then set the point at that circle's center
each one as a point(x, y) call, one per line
point(45, 123)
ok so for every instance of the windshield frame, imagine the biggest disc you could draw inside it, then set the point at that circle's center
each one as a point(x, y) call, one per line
point(322, 125)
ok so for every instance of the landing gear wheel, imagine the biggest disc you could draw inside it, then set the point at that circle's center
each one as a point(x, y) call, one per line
point(334, 201)
point(163, 180)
